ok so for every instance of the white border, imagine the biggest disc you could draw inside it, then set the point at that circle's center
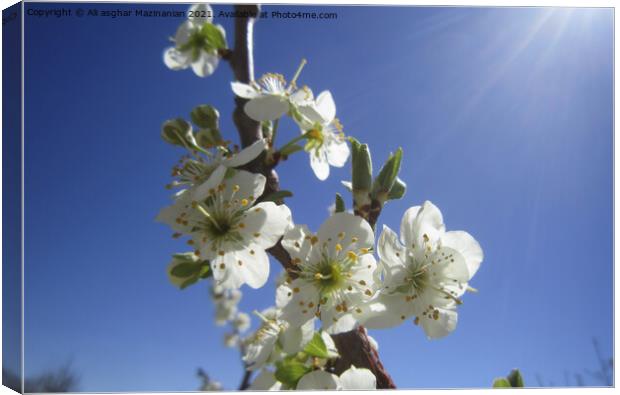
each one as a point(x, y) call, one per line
point(461, 3)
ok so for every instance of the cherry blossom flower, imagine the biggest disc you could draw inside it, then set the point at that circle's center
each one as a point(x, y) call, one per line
point(265, 381)
point(275, 338)
point(336, 272)
point(268, 98)
point(425, 273)
point(351, 379)
point(195, 170)
point(227, 229)
point(196, 43)
point(326, 143)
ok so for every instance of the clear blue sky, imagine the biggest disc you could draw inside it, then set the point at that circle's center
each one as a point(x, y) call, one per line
point(505, 118)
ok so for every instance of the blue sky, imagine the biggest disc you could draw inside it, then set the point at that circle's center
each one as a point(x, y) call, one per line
point(505, 118)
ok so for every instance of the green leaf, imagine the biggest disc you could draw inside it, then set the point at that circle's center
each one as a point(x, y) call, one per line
point(289, 371)
point(215, 38)
point(188, 282)
point(316, 347)
point(361, 164)
point(276, 196)
point(291, 149)
point(206, 117)
point(387, 175)
point(205, 271)
point(398, 189)
point(501, 383)
point(186, 269)
point(340, 206)
point(515, 379)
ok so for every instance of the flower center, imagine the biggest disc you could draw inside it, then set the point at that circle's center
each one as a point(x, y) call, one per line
point(315, 139)
point(328, 277)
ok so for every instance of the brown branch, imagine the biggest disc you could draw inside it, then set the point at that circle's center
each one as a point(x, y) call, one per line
point(356, 350)
point(353, 345)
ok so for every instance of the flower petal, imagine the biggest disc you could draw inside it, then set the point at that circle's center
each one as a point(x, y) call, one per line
point(297, 242)
point(358, 379)
point(390, 250)
point(247, 154)
point(298, 301)
point(183, 33)
point(250, 186)
point(175, 59)
point(244, 91)
point(325, 106)
point(200, 14)
point(265, 381)
point(206, 64)
point(266, 107)
point(294, 338)
point(337, 152)
point(349, 226)
point(319, 164)
point(245, 266)
point(202, 191)
point(420, 221)
point(343, 324)
point(386, 312)
point(266, 222)
point(319, 380)
point(467, 246)
point(440, 327)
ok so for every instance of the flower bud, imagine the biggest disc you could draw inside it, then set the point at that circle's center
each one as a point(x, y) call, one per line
point(387, 176)
point(178, 132)
point(205, 117)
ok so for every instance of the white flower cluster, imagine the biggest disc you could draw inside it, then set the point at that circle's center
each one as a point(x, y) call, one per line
point(335, 281)
point(270, 98)
point(197, 41)
point(226, 226)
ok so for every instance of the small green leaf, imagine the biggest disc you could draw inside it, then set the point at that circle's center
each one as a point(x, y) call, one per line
point(276, 196)
point(340, 206)
point(398, 189)
point(515, 379)
point(188, 282)
point(361, 164)
point(289, 371)
point(316, 347)
point(206, 117)
point(291, 149)
point(387, 175)
point(501, 383)
point(215, 38)
point(186, 269)
point(205, 271)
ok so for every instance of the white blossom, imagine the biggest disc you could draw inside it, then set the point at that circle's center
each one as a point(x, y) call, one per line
point(425, 273)
point(195, 170)
point(241, 322)
point(192, 48)
point(326, 143)
point(351, 379)
point(275, 338)
point(269, 98)
point(231, 340)
point(336, 272)
point(227, 228)
point(265, 381)
point(226, 301)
